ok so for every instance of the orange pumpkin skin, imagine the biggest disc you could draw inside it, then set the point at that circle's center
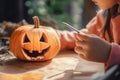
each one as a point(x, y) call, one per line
point(34, 42)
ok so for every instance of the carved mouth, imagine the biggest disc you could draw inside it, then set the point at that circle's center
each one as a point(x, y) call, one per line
point(35, 53)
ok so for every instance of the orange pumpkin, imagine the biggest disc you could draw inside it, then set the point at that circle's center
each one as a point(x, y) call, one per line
point(34, 42)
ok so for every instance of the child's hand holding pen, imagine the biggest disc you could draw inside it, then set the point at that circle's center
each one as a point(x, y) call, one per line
point(90, 47)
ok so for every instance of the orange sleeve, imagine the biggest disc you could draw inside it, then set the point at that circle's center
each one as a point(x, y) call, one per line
point(67, 39)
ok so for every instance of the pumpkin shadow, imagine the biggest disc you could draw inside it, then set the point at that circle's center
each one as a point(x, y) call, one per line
point(15, 65)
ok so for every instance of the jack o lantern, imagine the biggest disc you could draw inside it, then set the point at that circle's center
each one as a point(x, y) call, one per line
point(34, 42)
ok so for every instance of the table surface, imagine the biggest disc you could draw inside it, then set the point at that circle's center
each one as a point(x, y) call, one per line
point(64, 66)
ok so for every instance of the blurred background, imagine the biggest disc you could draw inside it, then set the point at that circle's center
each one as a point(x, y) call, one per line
point(75, 12)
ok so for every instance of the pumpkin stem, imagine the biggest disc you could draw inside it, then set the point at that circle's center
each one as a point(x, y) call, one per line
point(36, 21)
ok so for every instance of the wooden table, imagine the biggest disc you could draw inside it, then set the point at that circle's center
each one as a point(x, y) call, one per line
point(62, 67)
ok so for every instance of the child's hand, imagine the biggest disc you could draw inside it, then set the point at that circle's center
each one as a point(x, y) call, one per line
point(92, 48)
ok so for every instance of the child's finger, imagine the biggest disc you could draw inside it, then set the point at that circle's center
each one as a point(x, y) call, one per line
point(80, 43)
point(78, 50)
point(81, 36)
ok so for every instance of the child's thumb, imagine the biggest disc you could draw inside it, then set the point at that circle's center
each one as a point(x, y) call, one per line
point(81, 36)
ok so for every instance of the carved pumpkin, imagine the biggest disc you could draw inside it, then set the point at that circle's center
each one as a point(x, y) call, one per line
point(34, 42)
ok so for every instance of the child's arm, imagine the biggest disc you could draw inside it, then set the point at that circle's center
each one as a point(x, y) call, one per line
point(67, 39)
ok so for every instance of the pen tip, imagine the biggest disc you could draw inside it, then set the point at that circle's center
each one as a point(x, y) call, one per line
point(63, 22)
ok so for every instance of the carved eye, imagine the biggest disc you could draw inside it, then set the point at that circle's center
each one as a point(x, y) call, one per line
point(42, 39)
point(26, 39)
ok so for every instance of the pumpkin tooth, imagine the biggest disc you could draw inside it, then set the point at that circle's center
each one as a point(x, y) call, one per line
point(40, 57)
point(40, 51)
point(33, 58)
point(30, 51)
